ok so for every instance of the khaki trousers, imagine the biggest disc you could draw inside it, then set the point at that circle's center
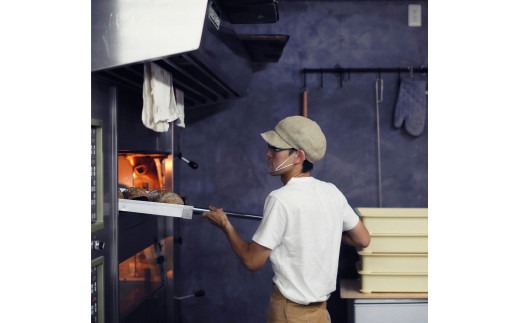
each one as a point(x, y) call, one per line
point(282, 310)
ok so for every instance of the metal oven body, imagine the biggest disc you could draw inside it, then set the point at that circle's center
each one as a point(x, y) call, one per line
point(146, 245)
point(132, 253)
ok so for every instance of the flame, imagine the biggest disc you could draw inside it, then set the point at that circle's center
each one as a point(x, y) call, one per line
point(146, 171)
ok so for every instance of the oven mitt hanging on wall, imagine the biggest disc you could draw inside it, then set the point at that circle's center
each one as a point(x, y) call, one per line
point(411, 106)
point(159, 104)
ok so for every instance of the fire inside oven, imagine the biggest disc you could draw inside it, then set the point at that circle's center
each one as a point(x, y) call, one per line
point(146, 171)
point(144, 273)
point(149, 266)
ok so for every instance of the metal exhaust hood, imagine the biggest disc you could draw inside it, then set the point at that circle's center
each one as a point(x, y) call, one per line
point(193, 39)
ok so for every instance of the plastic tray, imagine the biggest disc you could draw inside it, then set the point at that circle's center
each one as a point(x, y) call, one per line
point(394, 220)
point(393, 282)
point(394, 262)
point(164, 209)
point(398, 243)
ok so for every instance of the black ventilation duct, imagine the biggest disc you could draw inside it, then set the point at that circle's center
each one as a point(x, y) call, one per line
point(251, 11)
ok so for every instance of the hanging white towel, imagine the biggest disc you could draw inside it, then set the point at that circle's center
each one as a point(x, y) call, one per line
point(159, 104)
point(179, 97)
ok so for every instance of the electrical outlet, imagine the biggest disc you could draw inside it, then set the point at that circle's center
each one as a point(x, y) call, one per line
point(414, 15)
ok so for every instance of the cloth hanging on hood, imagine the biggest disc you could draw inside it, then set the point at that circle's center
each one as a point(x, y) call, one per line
point(179, 97)
point(411, 106)
point(159, 103)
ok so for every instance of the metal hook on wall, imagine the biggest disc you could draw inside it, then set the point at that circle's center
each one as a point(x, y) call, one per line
point(342, 77)
point(379, 88)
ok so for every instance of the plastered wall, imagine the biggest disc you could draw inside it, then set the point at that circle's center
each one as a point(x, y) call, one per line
point(224, 140)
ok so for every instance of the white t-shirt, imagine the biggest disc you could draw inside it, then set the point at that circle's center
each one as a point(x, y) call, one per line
point(302, 225)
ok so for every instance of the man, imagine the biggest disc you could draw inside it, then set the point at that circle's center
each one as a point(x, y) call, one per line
point(302, 226)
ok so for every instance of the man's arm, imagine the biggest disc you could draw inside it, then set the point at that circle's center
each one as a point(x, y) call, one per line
point(358, 236)
point(252, 255)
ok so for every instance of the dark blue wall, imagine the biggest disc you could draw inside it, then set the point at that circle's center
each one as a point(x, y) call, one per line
point(225, 141)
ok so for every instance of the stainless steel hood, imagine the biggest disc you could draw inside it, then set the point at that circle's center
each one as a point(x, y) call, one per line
point(192, 39)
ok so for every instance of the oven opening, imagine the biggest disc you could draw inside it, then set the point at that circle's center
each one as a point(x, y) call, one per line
point(148, 171)
point(143, 274)
point(147, 273)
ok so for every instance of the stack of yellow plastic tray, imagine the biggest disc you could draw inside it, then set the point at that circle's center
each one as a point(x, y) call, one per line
point(397, 258)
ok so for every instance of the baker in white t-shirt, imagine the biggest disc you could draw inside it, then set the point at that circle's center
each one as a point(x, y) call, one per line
point(303, 225)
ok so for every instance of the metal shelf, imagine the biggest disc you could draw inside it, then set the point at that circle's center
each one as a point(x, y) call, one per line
point(154, 208)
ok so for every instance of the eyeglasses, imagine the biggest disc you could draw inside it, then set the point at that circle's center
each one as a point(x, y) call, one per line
point(276, 149)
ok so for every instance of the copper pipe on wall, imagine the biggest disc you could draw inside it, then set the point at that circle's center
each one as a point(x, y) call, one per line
point(304, 96)
point(304, 103)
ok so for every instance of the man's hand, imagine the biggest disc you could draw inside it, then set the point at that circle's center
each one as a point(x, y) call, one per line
point(216, 216)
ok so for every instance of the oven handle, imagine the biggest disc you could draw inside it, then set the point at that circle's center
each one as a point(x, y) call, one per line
point(198, 293)
point(191, 163)
point(233, 214)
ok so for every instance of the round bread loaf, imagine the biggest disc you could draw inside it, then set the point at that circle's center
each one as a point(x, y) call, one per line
point(154, 195)
point(165, 196)
point(134, 193)
point(120, 194)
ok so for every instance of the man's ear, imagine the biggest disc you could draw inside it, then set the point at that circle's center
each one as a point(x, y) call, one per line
point(301, 156)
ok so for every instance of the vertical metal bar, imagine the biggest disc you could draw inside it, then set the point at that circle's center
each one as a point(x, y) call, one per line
point(113, 274)
point(379, 99)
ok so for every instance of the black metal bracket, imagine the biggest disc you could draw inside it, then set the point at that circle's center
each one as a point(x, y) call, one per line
point(348, 70)
point(377, 70)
